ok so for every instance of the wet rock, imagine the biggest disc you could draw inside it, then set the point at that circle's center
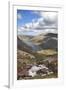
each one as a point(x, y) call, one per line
point(39, 69)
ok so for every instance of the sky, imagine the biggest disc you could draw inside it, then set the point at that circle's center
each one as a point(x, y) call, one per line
point(30, 22)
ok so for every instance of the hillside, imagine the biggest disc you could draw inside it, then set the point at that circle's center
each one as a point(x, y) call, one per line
point(38, 52)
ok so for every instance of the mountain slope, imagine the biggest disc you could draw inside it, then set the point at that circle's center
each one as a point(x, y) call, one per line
point(49, 43)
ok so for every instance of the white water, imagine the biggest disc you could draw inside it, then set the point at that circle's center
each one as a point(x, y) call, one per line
point(33, 71)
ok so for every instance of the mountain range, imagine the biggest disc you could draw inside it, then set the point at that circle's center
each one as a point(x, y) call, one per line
point(37, 43)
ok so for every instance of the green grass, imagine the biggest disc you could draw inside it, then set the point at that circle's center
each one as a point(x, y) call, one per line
point(47, 52)
point(41, 77)
point(39, 58)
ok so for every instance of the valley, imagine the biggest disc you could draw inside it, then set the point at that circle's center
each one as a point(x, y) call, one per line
point(37, 56)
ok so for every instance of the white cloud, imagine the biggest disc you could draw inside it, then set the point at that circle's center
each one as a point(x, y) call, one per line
point(19, 16)
point(28, 25)
point(19, 30)
point(46, 23)
point(35, 24)
point(49, 17)
point(50, 31)
point(47, 20)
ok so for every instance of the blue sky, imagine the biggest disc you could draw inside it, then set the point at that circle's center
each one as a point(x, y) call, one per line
point(26, 17)
point(30, 22)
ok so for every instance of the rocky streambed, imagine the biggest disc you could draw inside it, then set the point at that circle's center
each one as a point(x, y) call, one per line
point(31, 71)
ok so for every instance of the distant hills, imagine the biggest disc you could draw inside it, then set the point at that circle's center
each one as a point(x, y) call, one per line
point(49, 43)
point(37, 43)
point(52, 35)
